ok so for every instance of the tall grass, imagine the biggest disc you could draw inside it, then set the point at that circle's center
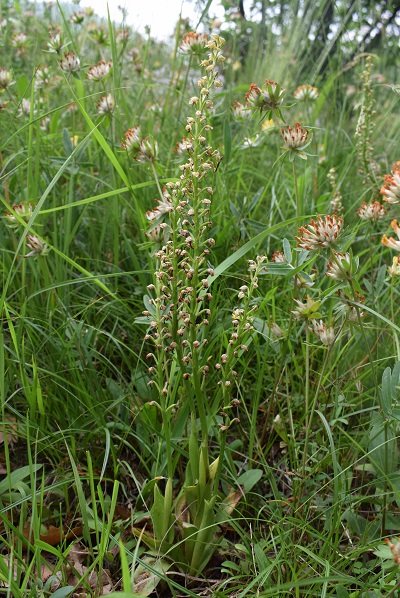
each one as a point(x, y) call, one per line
point(194, 398)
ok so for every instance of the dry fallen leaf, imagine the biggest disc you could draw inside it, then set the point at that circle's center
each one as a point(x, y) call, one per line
point(9, 424)
point(54, 535)
point(76, 569)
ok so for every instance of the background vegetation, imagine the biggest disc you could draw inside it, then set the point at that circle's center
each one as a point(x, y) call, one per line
point(260, 456)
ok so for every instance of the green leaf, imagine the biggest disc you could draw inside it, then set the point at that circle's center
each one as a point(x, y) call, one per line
point(287, 250)
point(249, 478)
point(22, 84)
point(386, 391)
point(146, 581)
point(62, 592)
point(256, 198)
point(227, 140)
point(252, 244)
point(161, 512)
point(69, 148)
point(16, 476)
point(341, 592)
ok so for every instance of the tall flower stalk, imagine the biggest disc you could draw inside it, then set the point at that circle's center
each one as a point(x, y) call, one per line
point(180, 298)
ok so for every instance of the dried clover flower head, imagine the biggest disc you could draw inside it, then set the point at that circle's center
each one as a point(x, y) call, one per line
point(308, 310)
point(340, 267)
point(6, 78)
point(23, 210)
point(99, 71)
point(394, 269)
point(131, 139)
point(306, 93)
point(319, 233)
point(266, 99)
point(326, 334)
point(24, 108)
point(194, 43)
point(295, 137)
point(37, 246)
point(371, 211)
point(183, 146)
point(389, 241)
point(18, 40)
point(55, 44)
point(78, 17)
point(106, 104)
point(70, 63)
point(391, 188)
point(164, 207)
point(278, 257)
point(395, 549)
point(240, 112)
point(42, 77)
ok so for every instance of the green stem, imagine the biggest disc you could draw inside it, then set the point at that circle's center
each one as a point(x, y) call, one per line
point(299, 203)
point(153, 168)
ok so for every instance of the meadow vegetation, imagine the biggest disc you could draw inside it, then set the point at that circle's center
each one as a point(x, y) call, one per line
point(200, 342)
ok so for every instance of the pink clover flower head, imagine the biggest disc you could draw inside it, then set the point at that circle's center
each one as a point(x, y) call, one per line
point(78, 17)
point(19, 39)
point(148, 150)
point(320, 233)
point(272, 94)
point(42, 77)
point(25, 108)
point(266, 99)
